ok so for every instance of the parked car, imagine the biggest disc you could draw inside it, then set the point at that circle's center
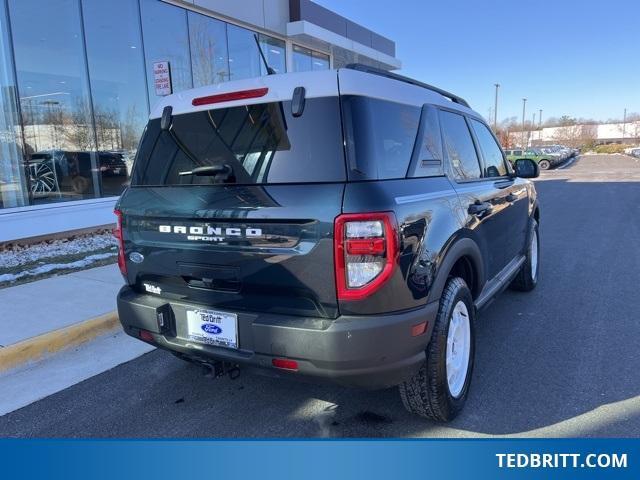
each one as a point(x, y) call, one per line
point(342, 226)
point(545, 160)
point(56, 171)
point(635, 152)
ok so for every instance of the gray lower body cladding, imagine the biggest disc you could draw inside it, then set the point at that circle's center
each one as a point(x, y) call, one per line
point(374, 351)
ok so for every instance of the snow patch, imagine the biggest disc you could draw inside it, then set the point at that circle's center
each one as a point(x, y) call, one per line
point(16, 255)
point(46, 268)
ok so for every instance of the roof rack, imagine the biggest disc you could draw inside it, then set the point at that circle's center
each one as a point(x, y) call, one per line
point(384, 73)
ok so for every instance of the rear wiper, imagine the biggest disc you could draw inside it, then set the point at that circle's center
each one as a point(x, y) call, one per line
point(221, 172)
point(209, 170)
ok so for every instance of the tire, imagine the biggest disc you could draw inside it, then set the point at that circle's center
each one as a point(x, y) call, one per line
point(429, 392)
point(527, 277)
point(544, 164)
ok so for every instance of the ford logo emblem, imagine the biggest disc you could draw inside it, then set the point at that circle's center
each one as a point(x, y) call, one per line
point(211, 328)
point(136, 257)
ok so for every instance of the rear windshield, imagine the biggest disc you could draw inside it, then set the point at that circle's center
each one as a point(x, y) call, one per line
point(256, 144)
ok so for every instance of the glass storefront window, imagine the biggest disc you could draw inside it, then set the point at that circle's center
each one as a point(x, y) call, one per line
point(12, 182)
point(301, 59)
point(60, 161)
point(166, 38)
point(209, 56)
point(244, 58)
point(77, 98)
point(319, 61)
point(274, 51)
point(116, 73)
point(305, 59)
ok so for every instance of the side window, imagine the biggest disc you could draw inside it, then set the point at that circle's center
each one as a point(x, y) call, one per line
point(517, 152)
point(380, 136)
point(427, 154)
point(494, 165)
point(459, 146)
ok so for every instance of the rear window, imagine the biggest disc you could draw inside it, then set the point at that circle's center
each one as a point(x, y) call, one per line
point(258, 144)
point(380, 136)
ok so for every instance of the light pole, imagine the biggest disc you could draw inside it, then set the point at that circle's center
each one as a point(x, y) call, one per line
point(533, 125)
point(524, 103)
point(540, 126)
point(540, 119)
point(495, 108)
point(624, 124)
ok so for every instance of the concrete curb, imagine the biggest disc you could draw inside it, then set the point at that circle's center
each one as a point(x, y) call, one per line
point(51, 342)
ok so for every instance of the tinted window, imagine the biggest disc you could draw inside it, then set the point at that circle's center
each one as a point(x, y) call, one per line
point(380, 137)
point(429, 148)
point(459, 146)
point(517, 152)
point(494, 165)
point(262, 144)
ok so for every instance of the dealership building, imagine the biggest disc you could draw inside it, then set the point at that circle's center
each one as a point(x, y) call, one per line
point(79, 77)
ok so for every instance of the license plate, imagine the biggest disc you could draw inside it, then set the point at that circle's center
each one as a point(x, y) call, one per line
point(213, 327)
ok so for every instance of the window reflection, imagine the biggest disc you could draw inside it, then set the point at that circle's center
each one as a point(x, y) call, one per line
point(209, 56)
point(12, 182)
point(60, 163)
point(84, 71)
point(244, 58)
point(274, 52)
point(116, 72)
point(305, 59)
point(319, 61)
point(166, 38)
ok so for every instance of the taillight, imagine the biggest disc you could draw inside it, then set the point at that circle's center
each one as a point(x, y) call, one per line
point(365, 250)
point(118, 234)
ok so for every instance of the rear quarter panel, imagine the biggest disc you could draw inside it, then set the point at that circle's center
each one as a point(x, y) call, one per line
point(427, 213)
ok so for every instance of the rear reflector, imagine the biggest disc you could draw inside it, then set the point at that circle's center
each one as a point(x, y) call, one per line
point(117, 232)
point(374, 246)
point(284, 364)
point(146, 336)
point(419, 329)
point(229, 97)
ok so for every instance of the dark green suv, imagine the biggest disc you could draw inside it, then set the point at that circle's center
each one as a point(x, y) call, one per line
point(545, 160)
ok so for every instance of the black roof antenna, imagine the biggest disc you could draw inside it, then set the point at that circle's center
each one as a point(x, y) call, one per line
point(270, 71)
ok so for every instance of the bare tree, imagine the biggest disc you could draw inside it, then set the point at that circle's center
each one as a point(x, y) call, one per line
point(576, 135)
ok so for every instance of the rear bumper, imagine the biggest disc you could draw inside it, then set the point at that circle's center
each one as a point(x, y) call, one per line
point(364, 351)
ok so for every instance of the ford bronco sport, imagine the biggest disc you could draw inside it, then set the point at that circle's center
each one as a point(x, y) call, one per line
point(335, 225)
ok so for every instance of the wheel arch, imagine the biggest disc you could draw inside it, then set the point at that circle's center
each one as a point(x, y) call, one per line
point(463, 258)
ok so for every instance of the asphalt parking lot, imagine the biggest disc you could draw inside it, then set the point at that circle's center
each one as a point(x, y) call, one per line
point(560, 361)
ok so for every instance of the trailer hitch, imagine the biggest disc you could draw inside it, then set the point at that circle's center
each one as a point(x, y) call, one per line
point(220, 369)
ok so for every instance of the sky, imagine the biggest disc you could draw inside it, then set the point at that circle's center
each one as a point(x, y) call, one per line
point(567, 57)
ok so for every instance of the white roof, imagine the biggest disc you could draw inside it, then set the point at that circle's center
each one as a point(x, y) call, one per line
point(323, 83)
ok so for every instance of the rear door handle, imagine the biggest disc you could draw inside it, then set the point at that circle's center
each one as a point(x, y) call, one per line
point(480, 208)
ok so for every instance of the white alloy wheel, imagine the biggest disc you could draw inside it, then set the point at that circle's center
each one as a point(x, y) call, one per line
point(458, 349)
point(534, 255)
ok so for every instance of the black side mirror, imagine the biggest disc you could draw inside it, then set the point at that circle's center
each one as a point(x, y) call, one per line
point(526, 168)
